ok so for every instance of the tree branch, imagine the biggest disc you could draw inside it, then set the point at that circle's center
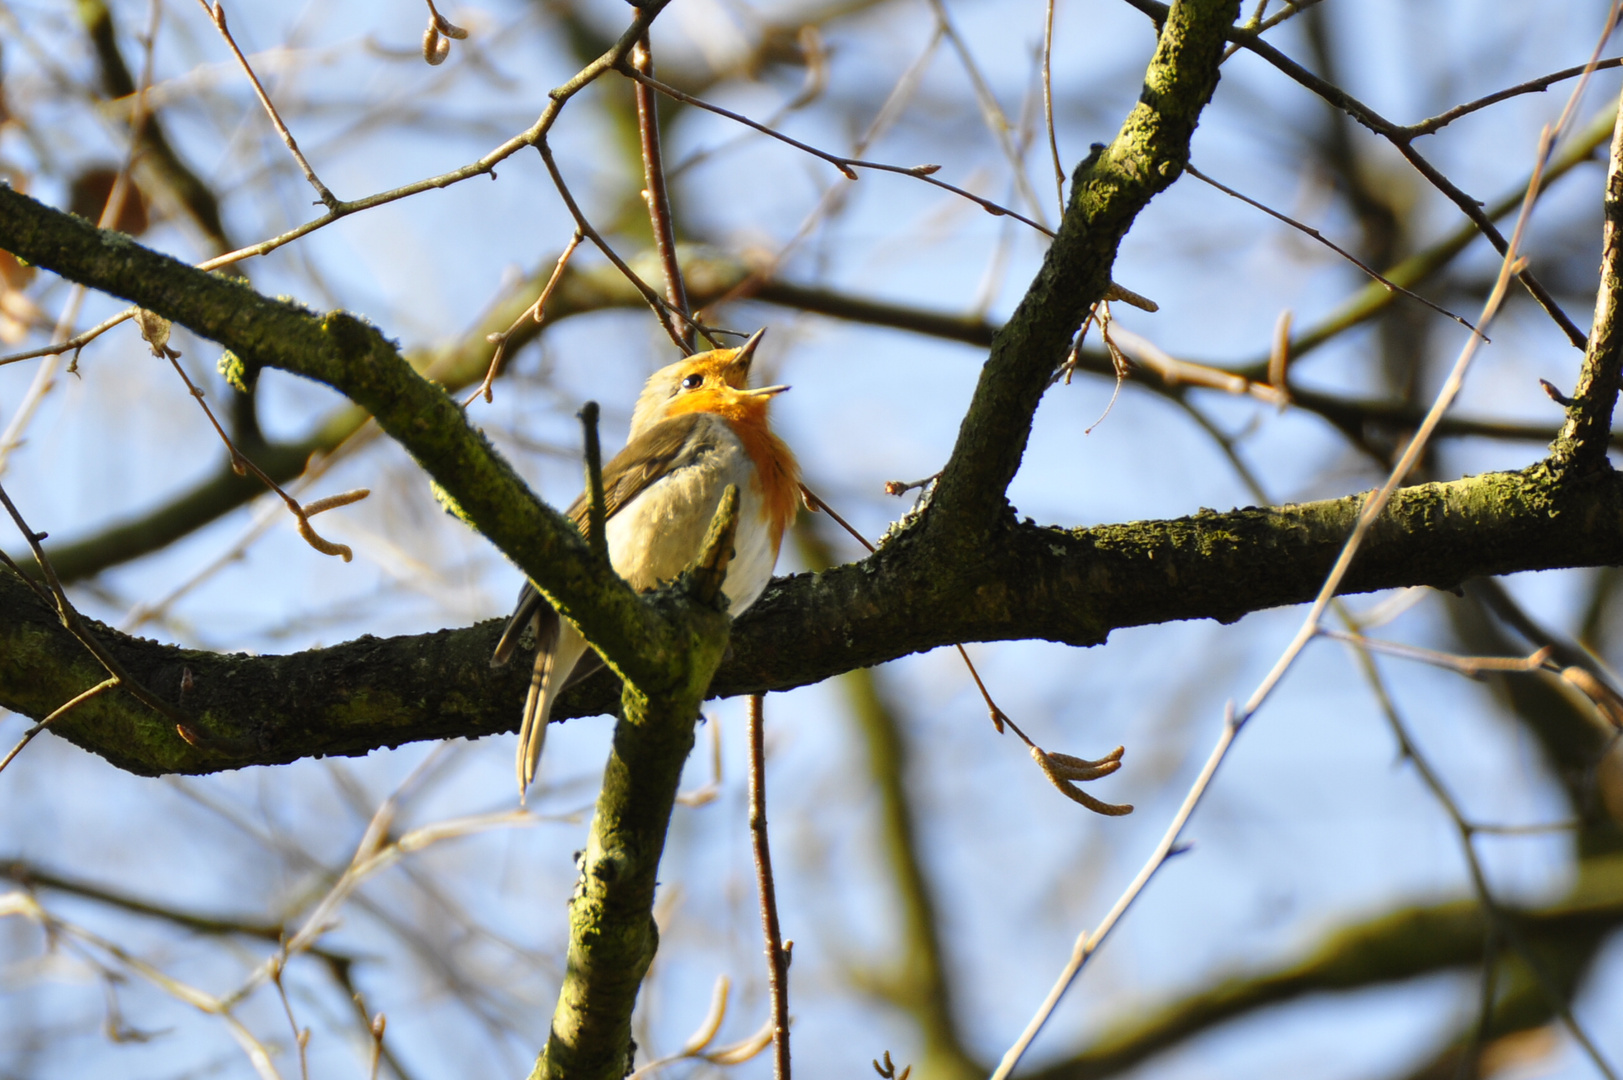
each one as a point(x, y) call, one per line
point(1032, 582)
point(1108, 190)
point(1587, 433)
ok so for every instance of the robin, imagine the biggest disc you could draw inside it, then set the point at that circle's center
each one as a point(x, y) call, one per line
point(695, 430)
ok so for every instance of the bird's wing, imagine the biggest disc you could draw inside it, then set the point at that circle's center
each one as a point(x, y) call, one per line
point(645, 459)
point(659, 450)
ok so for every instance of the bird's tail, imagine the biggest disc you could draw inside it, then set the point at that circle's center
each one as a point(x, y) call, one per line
point(555, 659)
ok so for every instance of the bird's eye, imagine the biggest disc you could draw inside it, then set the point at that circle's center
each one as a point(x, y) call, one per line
point(693, 382)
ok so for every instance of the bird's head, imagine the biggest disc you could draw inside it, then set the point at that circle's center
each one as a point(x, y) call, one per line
point(714, 381)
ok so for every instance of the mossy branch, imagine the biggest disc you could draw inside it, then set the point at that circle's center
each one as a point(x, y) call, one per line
point(1071, 586)
point(612, 936)
point(1108, 191)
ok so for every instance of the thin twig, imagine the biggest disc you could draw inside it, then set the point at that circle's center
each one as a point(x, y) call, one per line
point(834, 196)
point(991, 112)
point(777, 956)
point(1048, 103)
point(596, 516)
point(1472, 667)
point(662, 309)
point(535, 312)
point(1502, 923)
point(654, 189)
point(216, 14)
point(315, 467)
point(301, 1036)
point(815, 502)
point(77, 341)
point(1059, 769)
point(60, 711)
point(243, 465)
point(1403, 143)
point(1391, 286)
point(1531, 86)
point(846, 165)
point(73, 623)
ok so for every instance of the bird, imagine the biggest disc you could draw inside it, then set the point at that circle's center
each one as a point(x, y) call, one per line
point(695, 429)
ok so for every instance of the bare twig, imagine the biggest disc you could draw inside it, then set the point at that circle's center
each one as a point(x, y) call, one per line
point(74, 343)
point(1048, 103)
point(1054, 766)
point(535, 312)
point(62, 710)
point(997, 122)
point(216, 14)
point(1391, 286)
point(301, 1036)
point(242, 465)
point(1502, 924)
point(1404, 143)
point(662, 310)
point(846, 165)
point(777, 956)
point(834, 195)
point(1473, 667)
point(654, 189)
point(1531, 86)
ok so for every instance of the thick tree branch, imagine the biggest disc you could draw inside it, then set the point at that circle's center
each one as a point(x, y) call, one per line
point(1030, 582)
point(612, 934)
point(1108, 191)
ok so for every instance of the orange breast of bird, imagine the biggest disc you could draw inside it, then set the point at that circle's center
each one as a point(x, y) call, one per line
point(776, 470)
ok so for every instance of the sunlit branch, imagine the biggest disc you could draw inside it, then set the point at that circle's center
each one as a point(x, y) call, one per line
point(655, 192)
point(1531, 86)
point(777, 955)
point(216, 14)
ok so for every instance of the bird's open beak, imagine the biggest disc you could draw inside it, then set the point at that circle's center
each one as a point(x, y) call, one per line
point(741, 361)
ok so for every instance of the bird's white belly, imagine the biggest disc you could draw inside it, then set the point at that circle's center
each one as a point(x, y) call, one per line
point(658, 534)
